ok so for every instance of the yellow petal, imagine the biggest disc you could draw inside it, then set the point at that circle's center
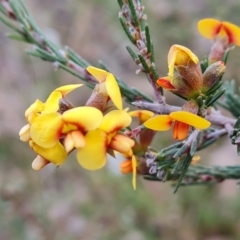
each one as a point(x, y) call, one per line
point(52, 103)
point(233, 32)
point(209, 27)
point(159, 123)
point(36, 107)
point(56, 154)
point(67, 89)
point(190, 119)
point(113, 91)
point(93, 155)
point(85, 118)
point(98, 73)
point(143, 115)
point(46, 129)
point(39, 162)
point(115, 120)
point(172, 55)
point(195, 159)
point(179, 55)
point(134, 177)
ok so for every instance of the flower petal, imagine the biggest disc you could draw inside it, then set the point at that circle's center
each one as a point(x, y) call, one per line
point(113, 91)
point(98, 73)
point(56, 154)
point(93, 155)
point(115, 120)
point(233, 32)
point(85, 118)
point(166, 82)
point(67, 89)
point(39, 162)
point(121, 143)
point(180, 130)
point(24, 133)
point(209, 27)
point(179, 55)
point(126, 166)
point(190, 119)
point(46, 129)
point(36, 107)
point(52, 103)
point(74, 139)
point(143, 115)
point(159, 123)
point(134, 177)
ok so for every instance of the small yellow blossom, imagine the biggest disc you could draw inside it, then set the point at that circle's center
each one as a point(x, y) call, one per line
point(181, 119)
point(106, 89)
point(184, 76)
point(107, 136)
point(213, 28)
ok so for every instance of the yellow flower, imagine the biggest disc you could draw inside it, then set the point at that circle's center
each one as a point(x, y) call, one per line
point(146, 135)
point(181, 119)
point(188, 77)
point(47, 126)
point(223, 33)
point(51, 104)
point(107, 136)
point(212, 28)
point(54, 135)
point(142, 115)
point(106, 89)
point(179, 55)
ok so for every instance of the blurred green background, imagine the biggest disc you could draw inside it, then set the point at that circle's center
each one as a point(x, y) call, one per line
point(70, 203)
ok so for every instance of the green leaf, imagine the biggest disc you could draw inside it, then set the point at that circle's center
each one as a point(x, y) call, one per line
point(148, 39)
point(133, 13)
point(185, 164)
point(120, 3)
point(126, 30)
point(132, 53)
point(17, 37)
point(237, 124)
point(144, 63)
point(215, 97)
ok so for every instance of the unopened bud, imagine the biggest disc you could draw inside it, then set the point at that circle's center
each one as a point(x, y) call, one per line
point(177, 85)
point(191, 73)
point(190, 106)
point(99, 98)
point(212, 74)
point(218, 49)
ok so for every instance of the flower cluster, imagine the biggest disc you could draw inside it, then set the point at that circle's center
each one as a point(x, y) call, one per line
point(56, 128)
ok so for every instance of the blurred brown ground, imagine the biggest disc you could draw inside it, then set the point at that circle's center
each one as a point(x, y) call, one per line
point(70, 203)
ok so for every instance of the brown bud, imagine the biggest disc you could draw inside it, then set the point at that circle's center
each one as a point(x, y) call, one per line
point(98, 99)
point(218, 49)
point(191, 73)
point(190, 106)
point(212, 74)
point(182, 87)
